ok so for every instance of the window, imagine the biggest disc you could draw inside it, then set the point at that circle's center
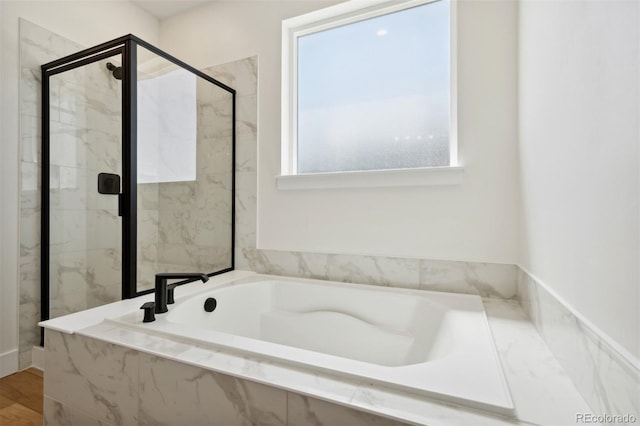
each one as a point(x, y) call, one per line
point(368, 87)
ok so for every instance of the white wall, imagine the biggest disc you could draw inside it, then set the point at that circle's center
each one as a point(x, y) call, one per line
point(87, 23)
point(476, 221)
point(8, 301)
point(579, 140)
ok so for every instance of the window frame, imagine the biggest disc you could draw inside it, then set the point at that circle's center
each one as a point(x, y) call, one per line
point(343, 14)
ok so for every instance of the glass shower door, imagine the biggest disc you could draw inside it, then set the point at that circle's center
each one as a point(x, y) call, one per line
point(85, 169)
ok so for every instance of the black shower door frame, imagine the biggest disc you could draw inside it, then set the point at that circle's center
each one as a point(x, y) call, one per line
point(126, 46)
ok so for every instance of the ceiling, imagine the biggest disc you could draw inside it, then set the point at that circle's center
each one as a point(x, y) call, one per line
point(162, 9)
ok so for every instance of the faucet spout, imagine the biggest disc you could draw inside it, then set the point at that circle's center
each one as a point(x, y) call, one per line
point(161, 294)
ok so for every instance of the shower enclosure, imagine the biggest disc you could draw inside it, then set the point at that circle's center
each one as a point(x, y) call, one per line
point(138, 153)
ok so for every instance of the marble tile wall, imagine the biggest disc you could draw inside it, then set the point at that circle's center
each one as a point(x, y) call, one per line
point(91, 382)
point(186, 226)
point(85, 252)
point(607, 380)
point(37, 46)
point(242, 75)
point(86, 229)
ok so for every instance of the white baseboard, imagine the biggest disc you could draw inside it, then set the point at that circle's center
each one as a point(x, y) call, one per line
point(8, 363)
point(37, 358)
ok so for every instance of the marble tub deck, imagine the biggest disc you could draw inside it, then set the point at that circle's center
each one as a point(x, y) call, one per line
point(542, 392)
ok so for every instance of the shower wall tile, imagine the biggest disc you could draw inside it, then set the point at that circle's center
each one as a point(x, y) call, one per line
point(214, 194)
point(194, 218)
point(103, 229)
point(246, 76)
point(103, 276)
point(29, 96)
point(608, 381)
point(30, 244)
point(246, 154)
point(103, 151)
point(146, 271)
point(246, 218)
point(246, 115)
point(85, 130)
point(28, 332)
point(148, 196)
point(216, 159)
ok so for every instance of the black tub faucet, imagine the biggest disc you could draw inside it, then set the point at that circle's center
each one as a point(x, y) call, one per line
point(161, 286)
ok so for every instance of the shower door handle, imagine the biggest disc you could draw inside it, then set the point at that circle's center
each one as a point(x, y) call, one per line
point(109, 183)
point(121, 205)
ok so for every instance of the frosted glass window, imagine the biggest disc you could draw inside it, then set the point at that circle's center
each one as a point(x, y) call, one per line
point(375, 94)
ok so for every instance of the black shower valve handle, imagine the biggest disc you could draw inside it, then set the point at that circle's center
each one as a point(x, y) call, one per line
point(149, 312)
point(170, 293)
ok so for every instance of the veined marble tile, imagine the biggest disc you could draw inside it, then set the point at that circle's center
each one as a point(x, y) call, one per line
point(246, 154)
point(224, 73)
point(104, 276)
point(606, 380)
point(30, 173)
point(214, 194)
point(30, 244)
point(387, 271)
point(68, 230)
point(104, 229)
point(295, 264)
point(246, 76)
point(71, 192)
point(30, 140)
point(535, 377)
point(246, 115)
point(29, 316)
point(172, 393)
point(92, 376)
point(72, 100)
point(67, 268)
point(307, 411)
point(67, 144)
point(148, 196)
point(103, 151)
point(148, 238)
point(29, 92)
point(176, 195)
point(246, 205)
point(215, 119)
point(240, 75)
point(146, 271)
point(214, 156)
point(176, 227)
point(484, 279)
point(99, 117)
point(39, 45)
point(58, 414)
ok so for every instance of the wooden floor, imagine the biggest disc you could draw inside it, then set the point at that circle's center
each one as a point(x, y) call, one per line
point(21, 398)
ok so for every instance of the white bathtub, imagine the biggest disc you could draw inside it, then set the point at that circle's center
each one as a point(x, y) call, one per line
point(429, 343)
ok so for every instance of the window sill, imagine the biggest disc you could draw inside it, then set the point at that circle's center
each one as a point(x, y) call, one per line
point(428, 176)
